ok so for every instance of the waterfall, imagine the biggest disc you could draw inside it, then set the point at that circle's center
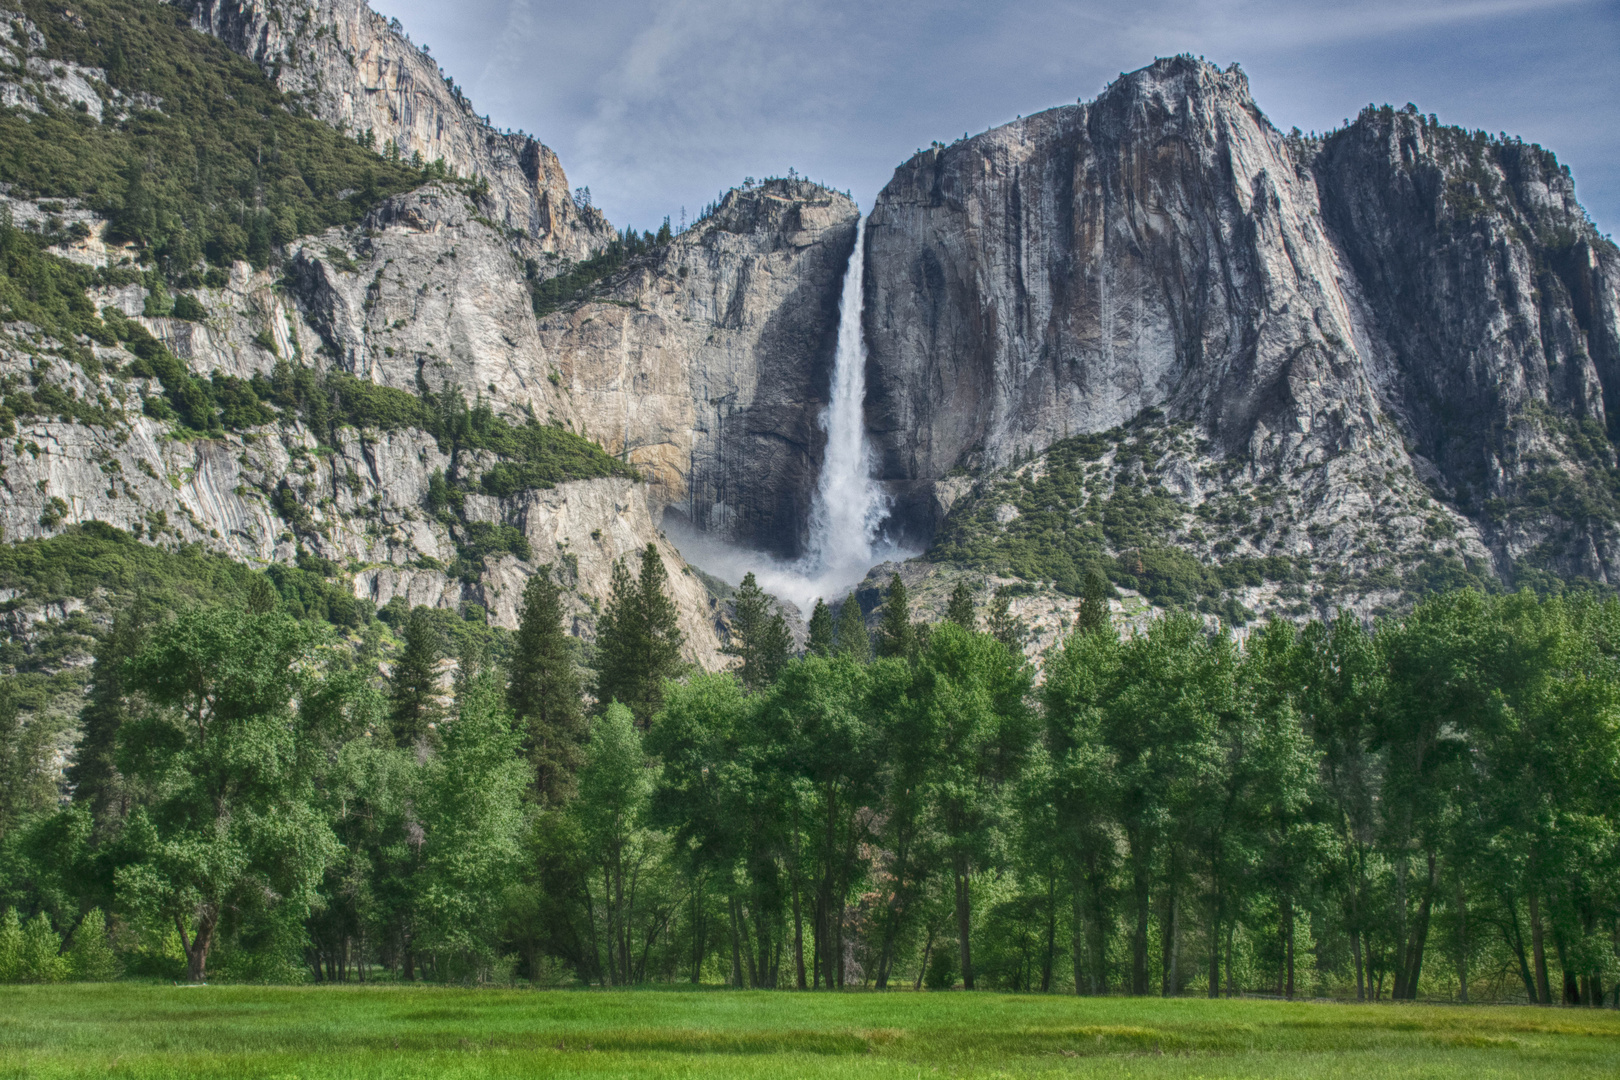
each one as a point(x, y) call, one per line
point(849, 507)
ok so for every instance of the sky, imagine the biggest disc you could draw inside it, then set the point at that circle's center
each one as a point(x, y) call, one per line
point(662, 105)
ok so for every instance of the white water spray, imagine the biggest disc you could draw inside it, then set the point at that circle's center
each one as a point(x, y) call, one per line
point(849, 508)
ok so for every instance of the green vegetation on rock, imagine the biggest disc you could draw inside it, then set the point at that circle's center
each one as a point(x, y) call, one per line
point(199, 156)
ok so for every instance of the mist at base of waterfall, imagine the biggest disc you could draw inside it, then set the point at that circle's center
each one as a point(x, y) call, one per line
point(849, 508)
point(793, 581)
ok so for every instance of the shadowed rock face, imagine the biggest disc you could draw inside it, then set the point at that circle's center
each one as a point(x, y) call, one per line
point(1304, 304)
point(1501, 305)
point(708, 365)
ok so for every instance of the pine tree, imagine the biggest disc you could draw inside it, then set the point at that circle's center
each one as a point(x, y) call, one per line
point(821, 630)
point(895, 636)
point(93, 775)
point(414, 703)
point(960, 609)
point(1093, 614)
point(1006, 627)
point(638, 640)
point(853, 639)
point(544, 692)
point(89, 957)
point(759, 636)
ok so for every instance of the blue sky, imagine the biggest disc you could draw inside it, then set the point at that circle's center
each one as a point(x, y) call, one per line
point(660, 105)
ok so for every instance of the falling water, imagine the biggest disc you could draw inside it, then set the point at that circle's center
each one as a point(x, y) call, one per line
point(849, 506)
point(847, 514)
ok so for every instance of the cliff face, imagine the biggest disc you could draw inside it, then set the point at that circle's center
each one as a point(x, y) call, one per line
point(1310, 310)
point(357, 71)
point(708, 364)
point(423, 293)
point(1501, 306)
point(427, 292)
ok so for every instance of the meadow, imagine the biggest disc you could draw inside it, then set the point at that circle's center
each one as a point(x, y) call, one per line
point(241, 1032)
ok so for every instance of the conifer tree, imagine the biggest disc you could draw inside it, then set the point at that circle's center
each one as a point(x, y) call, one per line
point(821, 630)
point(960, 608)
point(544, 692)
point(853, 639)
point(1093, 613)
point(759, 636)
point(1004, 625)
point(90, 958)
point(414, 702)
point(638, 640)
point(896, 636)
point(93, 775)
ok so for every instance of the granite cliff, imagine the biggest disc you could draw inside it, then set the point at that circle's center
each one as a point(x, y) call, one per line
point(359, 72)
point(707, 365)
point(1369, 355)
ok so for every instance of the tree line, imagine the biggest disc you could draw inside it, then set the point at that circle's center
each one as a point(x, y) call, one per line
point(1421, 807)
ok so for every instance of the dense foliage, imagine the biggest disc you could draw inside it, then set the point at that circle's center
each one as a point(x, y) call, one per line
point(1426, 808)
point(198, 157)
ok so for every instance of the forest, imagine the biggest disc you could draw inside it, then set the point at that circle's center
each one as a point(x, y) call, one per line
point(1420, 808)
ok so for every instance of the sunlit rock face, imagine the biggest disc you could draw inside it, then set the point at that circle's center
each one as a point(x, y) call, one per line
point(358, 71)
point(708, 366)
point(1395, 300)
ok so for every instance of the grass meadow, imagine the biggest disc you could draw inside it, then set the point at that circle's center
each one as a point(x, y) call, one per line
point(242, 1033)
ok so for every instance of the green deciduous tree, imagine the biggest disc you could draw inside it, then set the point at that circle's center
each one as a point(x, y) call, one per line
point(224, 762)
point(615, 787)
point(976, 717)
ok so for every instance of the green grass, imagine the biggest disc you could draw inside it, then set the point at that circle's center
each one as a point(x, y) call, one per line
point(244, 1032)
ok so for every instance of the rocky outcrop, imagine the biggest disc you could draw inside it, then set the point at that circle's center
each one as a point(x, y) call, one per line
point(1166, 248)
point(426, 292)
point(1500, 306)
point(707, 364)
point(359, 72)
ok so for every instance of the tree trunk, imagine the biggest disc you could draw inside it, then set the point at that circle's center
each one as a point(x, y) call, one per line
point(1288, 946)
point(1139, 941)
point(1077, 937)
point(700, 929)
point(1051, 931)
point(1462, 943)
point(964, 922)
point(1231, 936)
point(1515, 940)
point(798, 935)
point(197, 950)
point(736, 946)
point(1172, 939)
point(1538, 949)
point(928, 947)
point(1355, 953)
